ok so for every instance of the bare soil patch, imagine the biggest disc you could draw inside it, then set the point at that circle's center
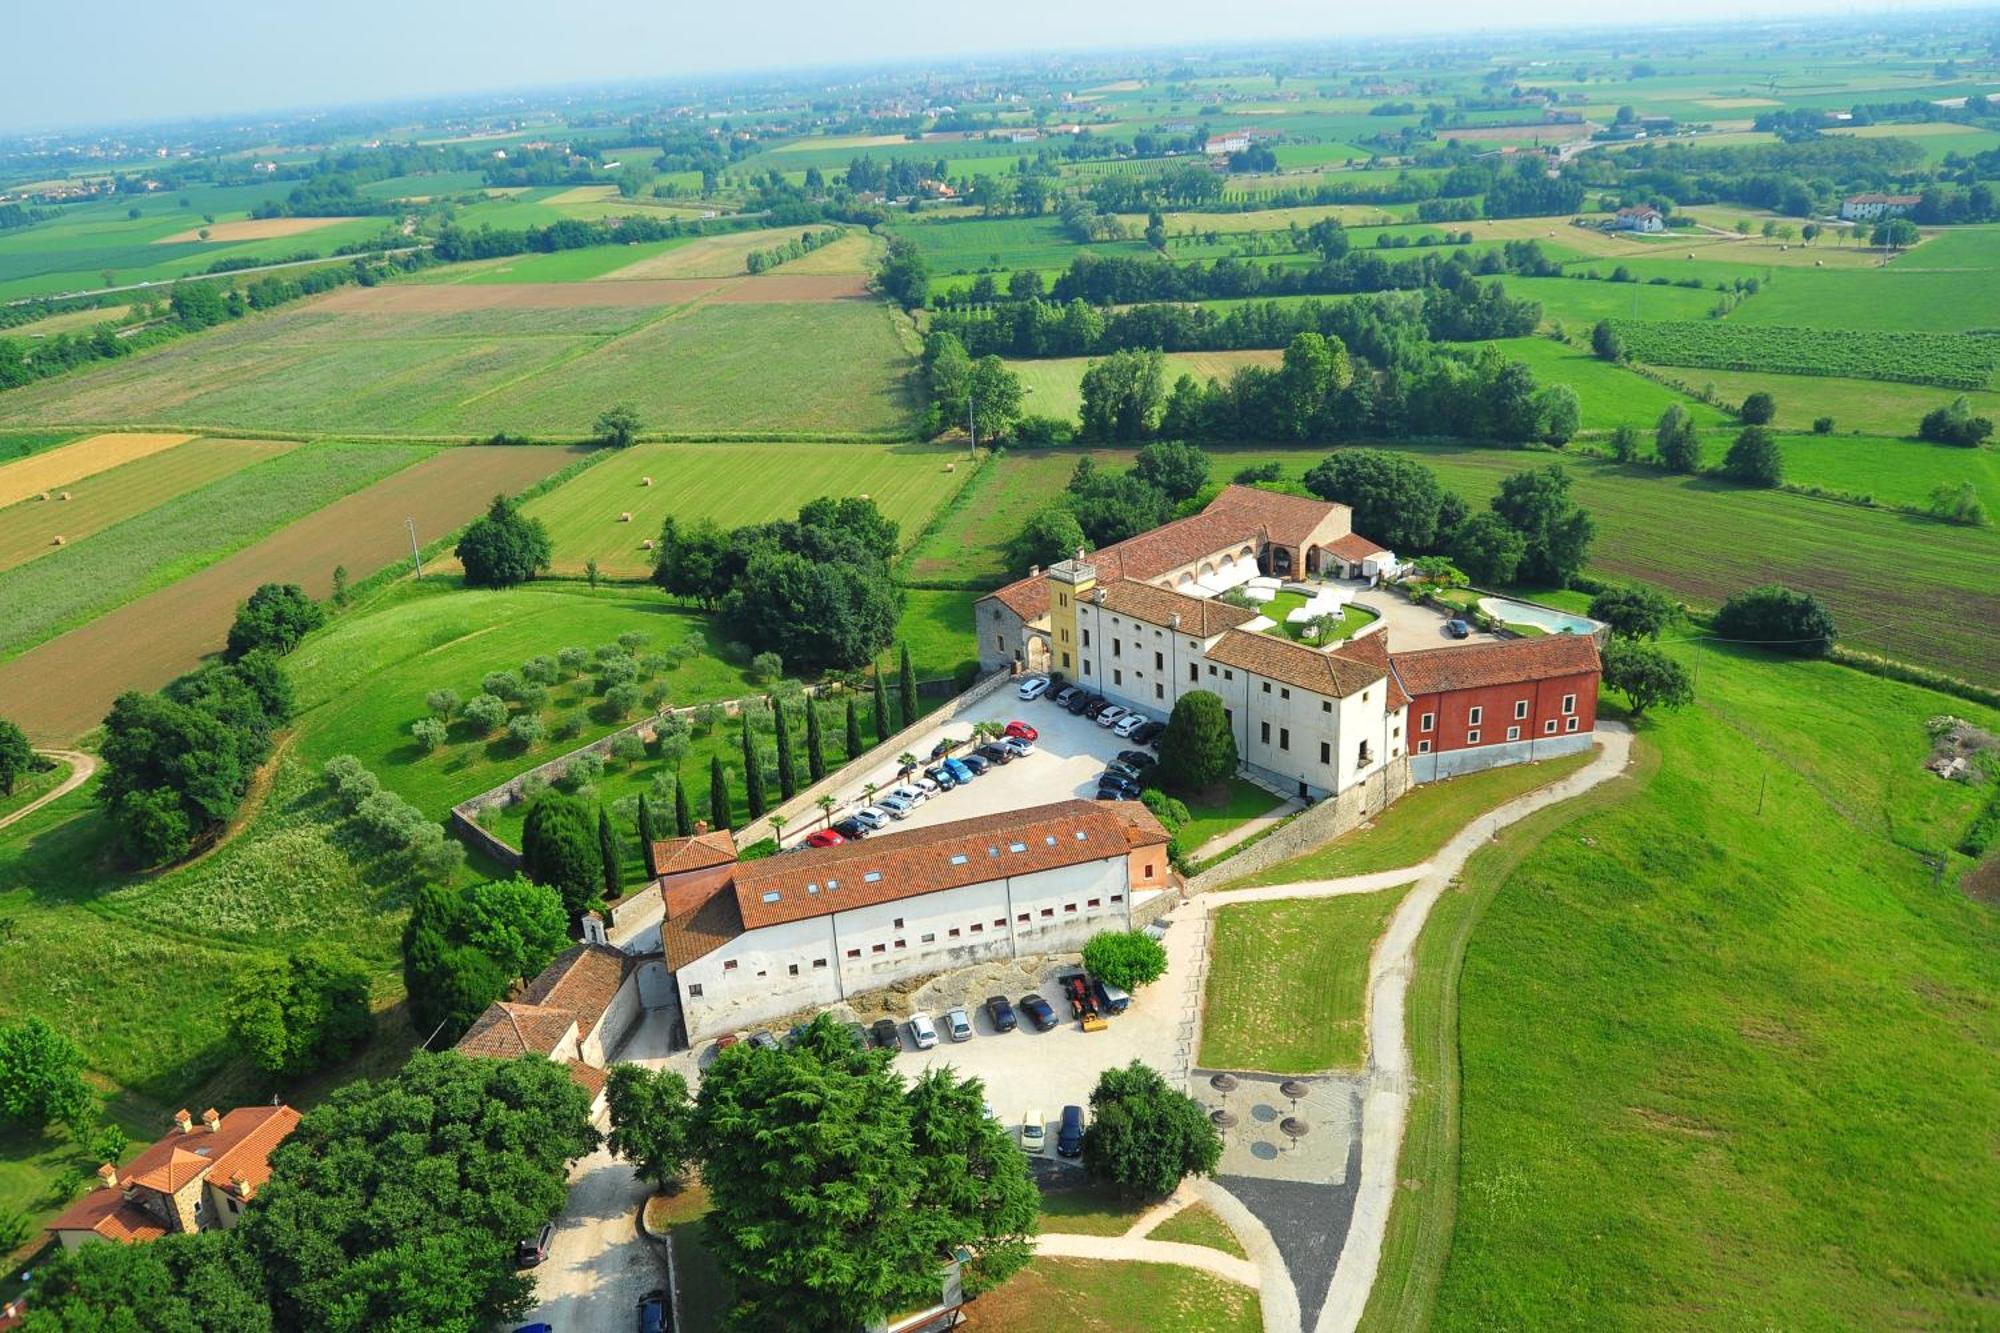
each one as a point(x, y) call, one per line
point(62, 688)
point(56, 468)
point(457, 298)
point(784, 288)
point(248, 229)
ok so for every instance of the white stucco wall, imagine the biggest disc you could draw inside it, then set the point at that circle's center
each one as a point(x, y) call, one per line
point(616, 1024)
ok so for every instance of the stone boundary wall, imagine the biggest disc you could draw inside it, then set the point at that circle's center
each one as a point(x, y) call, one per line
point(1317, 824)
point(805, 805)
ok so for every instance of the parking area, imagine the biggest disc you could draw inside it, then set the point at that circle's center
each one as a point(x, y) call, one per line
point(1069, 755)
point(1411, 627)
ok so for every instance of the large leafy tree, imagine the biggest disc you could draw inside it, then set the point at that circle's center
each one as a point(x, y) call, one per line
point(504, 547)
point(301, 1012)
point(1555, 533)
point(1123, 394)
point(974, 1187)
point(1634, 613)
point(1754, 458)
point(1646, 676)
point(1396, 500)
point(1051, 534)
point(1198, 749)
point(397, 1204)
point(462, 949)
point(1487, 549)
point(651, 1119)
point(275, 618)
point(178, 1284)
point(1676, 440)
point(17, 757)
point(1793, 622)
point(41, 1076)
point(559, 848)
point(1127, 959)
point(516, 922)
point(1145, 1137)
point(1176, 470)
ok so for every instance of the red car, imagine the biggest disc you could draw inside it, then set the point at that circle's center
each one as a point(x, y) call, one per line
point(1023, 731)
point(826, 837)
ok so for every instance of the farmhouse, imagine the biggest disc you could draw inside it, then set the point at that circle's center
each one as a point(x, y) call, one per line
point(1639, 219)
point(579, 1010)
point(1230, 141)
point(1501, 703)
point(1871, 207)
point(194, 1179)
point(748, 941)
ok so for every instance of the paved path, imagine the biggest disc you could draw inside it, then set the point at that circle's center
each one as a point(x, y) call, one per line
point(1134, 1249)
point(1388, 1102)
point(1248, 829)
point(81, 766)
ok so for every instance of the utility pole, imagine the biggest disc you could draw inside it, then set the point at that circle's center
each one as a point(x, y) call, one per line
point(416, 554)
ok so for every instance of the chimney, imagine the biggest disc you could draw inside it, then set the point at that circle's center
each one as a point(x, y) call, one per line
point(1034, 571)
point(183, 1121)
point(593, 929)
point(1079, 555)
point(213, 1119)
point(700, 827)
point(241, 1184)
point(1174, 621)
point(108, 1173)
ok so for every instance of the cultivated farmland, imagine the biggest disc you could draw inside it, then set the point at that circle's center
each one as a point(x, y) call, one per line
point(1961, 361)
point(721, 256)
point(147, 642)
point(1610, 395)
point(1876, 407)
point(1054, 386)
point(55, 468)
point(734, 484)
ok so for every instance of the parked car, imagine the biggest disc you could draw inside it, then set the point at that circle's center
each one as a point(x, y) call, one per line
point(1158, 930)
point(1110, 998)
point(1149, 733)
point(872, 818)
point(1001, 1012)
point(763, 1041)
point(1458, 627)
point(1034, 1133)
point(1130, 723)
point(1069, 1135)
point(825, 837)
point(1040, 1015)
point(957, 1025)
point(1064, 695)
point(886, 1034)
point(1110, 713)
point(850, 828)
point(974, 764)
point(1022, 731)
point(940, 777)
point(1137, 760)
point(535, 1248)
point(724, 1042)
point(1016, 746)
point(923, 1032)
point(536, 1328)
point(944, 747)
point(996, 753)
point(899, 803)
point(1033, 687)
point(655, 1313)
point(961, 772)
point(1123, 771)
point(1081, 704)
point(1111, 787)
point(924, 785)
point(1095, 708)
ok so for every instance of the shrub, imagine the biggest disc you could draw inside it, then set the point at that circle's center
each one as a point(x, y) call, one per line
point(1198, 749)
point(1955, 425)
point(568, 729)
point(1755, 459)
point(1758, 409)
point(1038, 431)
point(1822, 425)
point(527, 730)
point(1676, 442)
point(616, 671)
point(1625, 444)
point(486, 712)
point(628, 748)
point(429, 733)
point(1793, 622)
point(1633, 613)
point(573, 660)
point(766, 668)
point(1958, 504)
point(442, 703)
point(275, 618)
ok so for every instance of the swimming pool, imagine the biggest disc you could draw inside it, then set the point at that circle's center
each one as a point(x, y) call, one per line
point(1508, 610)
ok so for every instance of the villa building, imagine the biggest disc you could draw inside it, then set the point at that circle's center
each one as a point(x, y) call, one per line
point(578, 1011)
point(1874, 207)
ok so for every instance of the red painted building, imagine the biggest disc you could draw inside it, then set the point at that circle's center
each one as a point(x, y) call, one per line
point(1520, 700)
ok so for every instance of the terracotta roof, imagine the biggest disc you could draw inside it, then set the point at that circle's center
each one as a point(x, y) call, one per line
point(1337, 673)
point(702, 928)
point(240, 1145)
point(1203, 617)
point(1289, 519)
point(1354, 546)
point(1909, 199)
point(1372, 650)
point(673, 855)
point(892, 866)
point(506, 1030)
point(1480, 665)
point(583, 979)
point(588, 1077)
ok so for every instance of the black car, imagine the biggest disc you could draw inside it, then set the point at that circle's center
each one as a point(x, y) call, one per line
point(535, 1248)
point(655, 1313)
point(887, 1035)
point(1040, 1015)
point(1110, 787)
point(1149, 733)
point(1137, 760)
point(1095, 706)
point(1001, 1012)
point(943, 748)
point(996, 753)
point(851, 829)
point(1080, 704)
point(973, 762)
point(764, 1041)
point(1063, 698)
point(941, 775)
point(1124, 772)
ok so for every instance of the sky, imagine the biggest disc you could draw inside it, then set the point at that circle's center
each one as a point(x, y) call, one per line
point(111, 62)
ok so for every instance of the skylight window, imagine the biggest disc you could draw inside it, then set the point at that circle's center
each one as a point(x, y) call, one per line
point(871, 877)
point(1050, 840)
point(771, 897)
point(1017, 846)
point(1081, 836)
point(812, 888)
point(958, 858)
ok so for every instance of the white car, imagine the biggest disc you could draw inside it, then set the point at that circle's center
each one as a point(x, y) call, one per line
point(1111, 714)
point(1034, 687)
point(922, 1031)
point(873, 818)
point(913, 795)
point(1130, 723)
point(1034, 1134)
point(897, 804)
point(925, 786)
point(957, 1025)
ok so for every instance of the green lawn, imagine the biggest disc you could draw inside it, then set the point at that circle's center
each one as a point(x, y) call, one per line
point(1219, 813)
point(1352, 618)
point(1874, 407)
point(1090, 1211)
point(1287, 983)
point(1415, 827)
point(734, 484)
point(1722, 1036)
point(1611, 395)
point(1053, 386)
point(1089, 1296)
point(30, 786)
point(15, 444)
point(1197, 1224)
point(966, 549)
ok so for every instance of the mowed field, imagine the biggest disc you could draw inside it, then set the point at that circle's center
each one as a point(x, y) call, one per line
point(734, 484)
point(704, 257)
point(55, 468)
point(965, 551)
point(1053, 387)
point(1875, 407)
point(467, 361)
point(144, 643)
point(32, 527)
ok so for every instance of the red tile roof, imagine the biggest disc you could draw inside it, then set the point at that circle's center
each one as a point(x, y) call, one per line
point(893, 866)
point(507, 1030)
point(240, 1145)
point(699, 925)
point(1289, 519)
point(1354, 546)
point(1372, 650)
point(588, 1077)
point(583, 979)
point(1481, 665)
point(1336, 673)
point(674, 855)
point(1203, 617)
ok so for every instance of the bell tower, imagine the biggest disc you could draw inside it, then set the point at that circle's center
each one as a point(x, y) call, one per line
point(1069, 582)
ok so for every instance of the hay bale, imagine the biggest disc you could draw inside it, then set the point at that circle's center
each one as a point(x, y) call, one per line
point(951, 467)
point(625, 517)
point(645, 481)
point(63, 496)
point(58, 541)
point(646, 545)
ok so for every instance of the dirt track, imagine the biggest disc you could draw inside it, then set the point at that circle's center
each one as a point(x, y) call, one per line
point(781, 288)
point(62, 688)
point(452, 298)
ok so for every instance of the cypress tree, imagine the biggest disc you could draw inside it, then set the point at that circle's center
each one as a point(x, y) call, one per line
point(719, 814)
point(607, 851)
point(908, 681)
point(815, 747)
point(647, 834)
point(884, 726)
point(853, 731)
point(788, 778)
point(753, 773)
point(683, 817)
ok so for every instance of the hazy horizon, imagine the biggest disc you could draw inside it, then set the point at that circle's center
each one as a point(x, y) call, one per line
point(282, 59)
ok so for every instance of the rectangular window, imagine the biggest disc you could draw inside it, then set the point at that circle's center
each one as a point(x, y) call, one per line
point(1022, 919)
point(1012, 847)
point(1117, 648)
point(1473, 715)
point(694, 991)
point(819, 962)
point(1325, 753)
point(1065, 657)
point(1520, 709)
point(1284, 738)
point(1267, 686)
point(1264, 732)
point(930, 938)
point(1569, 703)
point(1000, 923)
point(1000, 642)
point(729, 966)
point(1119, 897)
point(1229, 675)
point(899, 923)
point(1363, 756)
point(771, 896)
point(1159, 661)
point(1086, 638)
point(1094, 902)
point(1427, 721)
point(879, 948)
point(1472, 737)
point(1570, 725)
point(1087, 669)
point(1513, 733)
point(1549, 727)
point(1048, 912)
point(1423, 747)
point(1069, 907)
point(1117, 677)
point(1194, 671)
point(900, 944)
point(871, 877)
point(952, 934)
point(854, 953)
point(1284, 694)
point(1159, 692)
point(979, 927)
point(1326, 706)
point(792, 969)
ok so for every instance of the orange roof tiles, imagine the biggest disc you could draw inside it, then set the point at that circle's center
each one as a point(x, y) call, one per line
point(584, 979)
point(1338, 673)
point(1202, 617)
point(1354, 546)
point(671, 856)
point(698, 926)
point(506, 1030)
point(240, 1145)
point(1479, 666)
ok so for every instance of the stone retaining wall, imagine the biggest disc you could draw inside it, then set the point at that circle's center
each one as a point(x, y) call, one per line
point(1317, 824)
